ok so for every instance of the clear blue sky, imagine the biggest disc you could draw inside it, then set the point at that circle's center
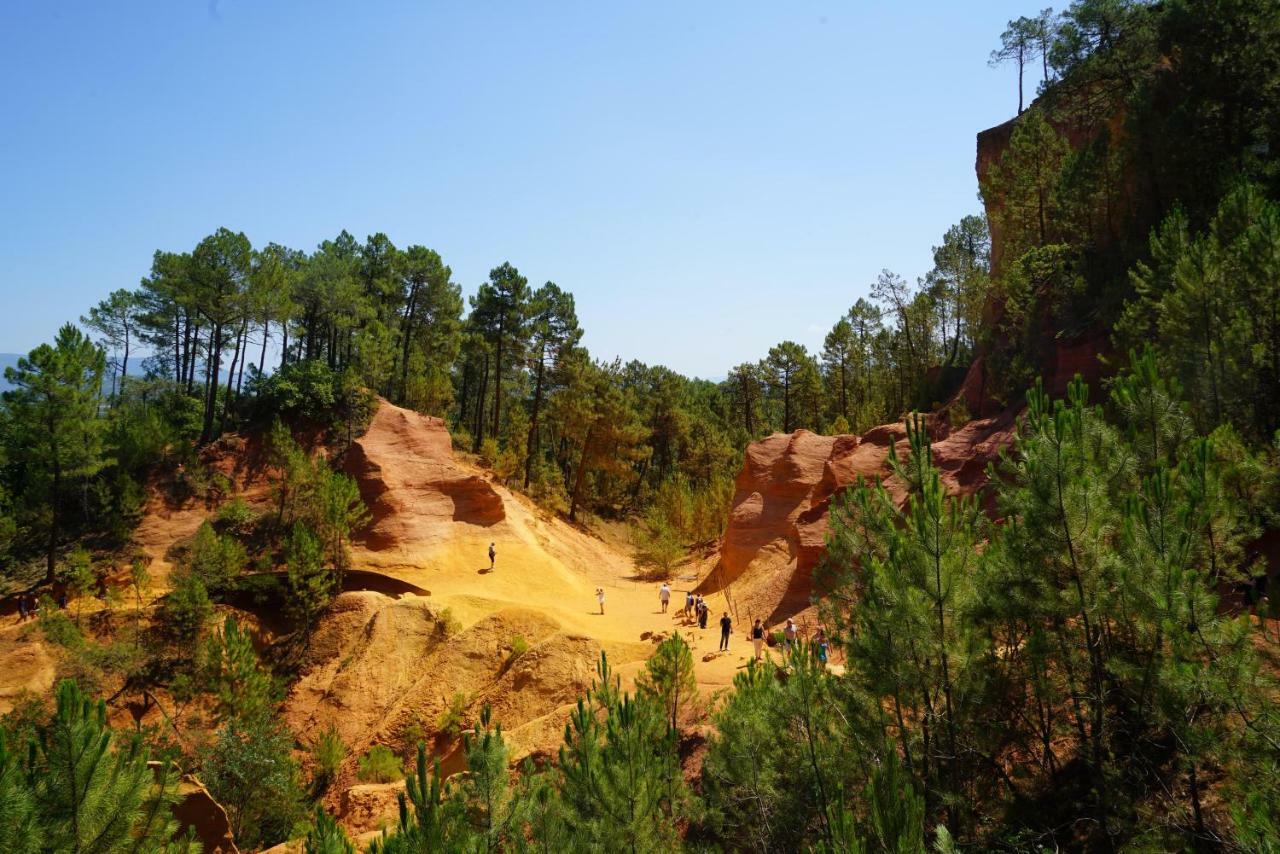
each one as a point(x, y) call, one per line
point(707, 178)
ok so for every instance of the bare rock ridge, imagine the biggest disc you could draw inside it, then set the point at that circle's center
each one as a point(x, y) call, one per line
point(778, 525)
point(411, 484)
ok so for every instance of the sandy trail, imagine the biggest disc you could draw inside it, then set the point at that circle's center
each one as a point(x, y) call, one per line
point(435, 515)
point(549, 566)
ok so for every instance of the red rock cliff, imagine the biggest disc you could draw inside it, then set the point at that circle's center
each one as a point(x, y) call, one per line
point(408, 478)
point(778, 525)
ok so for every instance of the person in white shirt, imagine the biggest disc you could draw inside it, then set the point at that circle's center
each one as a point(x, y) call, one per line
point(664, 596)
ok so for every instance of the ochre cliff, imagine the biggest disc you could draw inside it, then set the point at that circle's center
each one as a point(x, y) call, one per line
point(413, 488)
point(778, 526)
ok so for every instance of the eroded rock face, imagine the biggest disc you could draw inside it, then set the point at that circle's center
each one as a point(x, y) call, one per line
point(196, 809)
point(384, 671)
point(371, 806)
point(781, 507)
point(408, 478)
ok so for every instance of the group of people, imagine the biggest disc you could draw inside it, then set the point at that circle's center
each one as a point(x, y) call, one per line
point(28, 607)
point(695, 606)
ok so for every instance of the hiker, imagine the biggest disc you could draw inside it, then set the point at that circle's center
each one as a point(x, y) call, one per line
point(22, 608)
point(791, 634)
point(688, 603)
point(600, 599)
point(726, 626)
point(821, 645)
point(664, 596)
point(757, 637)
point(703, 611)
point(493, 553)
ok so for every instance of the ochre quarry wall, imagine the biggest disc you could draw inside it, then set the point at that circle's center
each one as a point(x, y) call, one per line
point(413, 488)
point(778, 525)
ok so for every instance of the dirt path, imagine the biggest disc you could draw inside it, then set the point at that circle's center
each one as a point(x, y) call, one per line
point(549, 566)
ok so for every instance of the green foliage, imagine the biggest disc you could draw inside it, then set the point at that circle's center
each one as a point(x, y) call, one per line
point(251, 772)
point(237, 516)
point(453, 718)
point(787, 744)
point(327, 755)
point(485, 792)
point(311, 584)
point(52, 417)
point(326, 836)
point(669, 680)
point(217, 560)
point(186, 610)
point(622, 786)
point(57, 627)
point(1208, 300)
point(83, 789)
point(435, 823)
point(519, 646)
point(338, 511)
point(448, 625)
point(380, 765)
point(232, 673)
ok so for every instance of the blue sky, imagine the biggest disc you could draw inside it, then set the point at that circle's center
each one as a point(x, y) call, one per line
point(707, 178)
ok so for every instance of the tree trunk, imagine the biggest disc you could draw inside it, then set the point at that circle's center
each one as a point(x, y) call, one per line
point(124, 364)
point(484, 387)
point(497, 377)
point(580, 478)
point(533, 420)
point(408, 339)
point(236, 361)
point(244, 355)
point(266, 334)
point(212, 364)
point(51, 554)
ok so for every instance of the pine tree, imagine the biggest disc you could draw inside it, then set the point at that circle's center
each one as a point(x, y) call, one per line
point(310, 584)
point(327, 837)
point(339, 511)
point(486, 791)
point(669, 679)
point(243, 688)
point(95, 796)
point(435, 823)
point(622, 781)
point(53, 408)
point(18, 829)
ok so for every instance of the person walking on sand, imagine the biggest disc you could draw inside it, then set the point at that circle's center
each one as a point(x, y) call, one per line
point(600, 599)
point(726, 626)
point(664, 596)
point(757, 637)
point(493, 554)
point(821, 646)
point(703, 613)
point(791, 634)
point(688, 602)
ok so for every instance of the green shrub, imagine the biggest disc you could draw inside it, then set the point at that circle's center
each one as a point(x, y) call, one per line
point(453, 719)
point(328, 754)
point(519, 646)
point(57, 627)
point(186, 610)
point(216, 559)
point(380, 765)
point(447, 625)
point(237, 516)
